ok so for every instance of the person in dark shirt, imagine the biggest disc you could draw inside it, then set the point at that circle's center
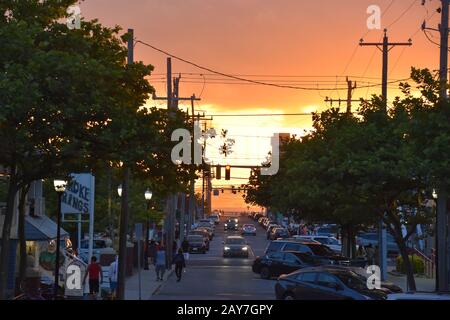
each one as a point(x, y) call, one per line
point(179, 263)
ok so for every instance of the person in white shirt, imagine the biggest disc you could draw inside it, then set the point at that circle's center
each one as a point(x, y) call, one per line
point(113, 271)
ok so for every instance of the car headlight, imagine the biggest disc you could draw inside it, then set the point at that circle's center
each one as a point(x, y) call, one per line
point(226, 225)
point(226, 248)
point(244, 248)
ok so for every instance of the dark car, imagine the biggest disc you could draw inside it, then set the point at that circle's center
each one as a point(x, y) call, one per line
point(323, 283)
point(270, 227)
point(287, 245)
point(277, 263)
point(235, 246)
point(388, 286)
point(196, 244)
point(202, 233)
point(321, 250)
point(231, 224)
point(314, 248)
point(279, 233)
point(210, 231)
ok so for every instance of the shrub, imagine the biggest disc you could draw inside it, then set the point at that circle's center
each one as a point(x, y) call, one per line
point(417, 263)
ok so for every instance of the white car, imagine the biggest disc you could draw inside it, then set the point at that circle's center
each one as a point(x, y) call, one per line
point(101, 246)
point(418, 296)
point(331, 242)
point(249, 229)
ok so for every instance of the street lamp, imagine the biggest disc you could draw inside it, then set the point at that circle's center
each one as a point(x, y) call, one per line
point(60, 188)
point(119, 190)
point(148, 196)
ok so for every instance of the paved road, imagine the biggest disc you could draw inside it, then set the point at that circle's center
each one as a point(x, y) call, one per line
point(211, 277)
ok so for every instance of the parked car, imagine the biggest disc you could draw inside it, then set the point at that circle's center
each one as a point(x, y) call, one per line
point(210, 231)
point(287, 245)
point(269, 229)
point(277, 263)
point(248, 229)
point(235, 246)
point(197, 244)
point(214, 218)
point(313, 248)
point(101, 246)
point(231, 224)
point(330, 230)
point(279, 233)
point(331, 242)
point(206, 223)
point(269, 222)
point(202, 233)
point(323, 283)
point(389, 286)
point(408, 296)
point(364, 239)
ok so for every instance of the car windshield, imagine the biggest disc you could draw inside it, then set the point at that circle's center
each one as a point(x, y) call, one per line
point(321, 250)
point(248, 226)
point(195, 239)
point(231, 221)
point(352, 280)
point(235, 241)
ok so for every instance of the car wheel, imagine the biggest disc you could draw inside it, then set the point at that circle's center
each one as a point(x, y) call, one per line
point(265, 273)
point(288, 296)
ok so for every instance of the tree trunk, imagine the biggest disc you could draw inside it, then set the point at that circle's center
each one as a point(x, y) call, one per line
point(22, 239)
point(6, 234)
point(408, 266)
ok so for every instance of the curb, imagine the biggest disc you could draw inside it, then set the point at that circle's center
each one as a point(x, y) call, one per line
point(169, 274)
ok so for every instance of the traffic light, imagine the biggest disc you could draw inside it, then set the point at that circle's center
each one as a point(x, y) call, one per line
point(219, 172)
point(228, 172)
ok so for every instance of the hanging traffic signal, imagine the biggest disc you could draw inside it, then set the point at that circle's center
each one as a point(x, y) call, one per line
point(219, 172)
point(228, 172)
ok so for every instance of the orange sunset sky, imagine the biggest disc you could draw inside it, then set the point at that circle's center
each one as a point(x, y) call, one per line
point(305, 43)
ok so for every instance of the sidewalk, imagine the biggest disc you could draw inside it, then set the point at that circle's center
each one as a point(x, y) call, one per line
point(149, 285)
point(422, 283)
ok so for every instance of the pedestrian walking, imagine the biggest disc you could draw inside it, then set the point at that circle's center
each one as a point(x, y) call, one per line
point(113, 272)
point(152, 249)
point(179, 263)
point(160, 263)
point(185, 248)
point(94, 271)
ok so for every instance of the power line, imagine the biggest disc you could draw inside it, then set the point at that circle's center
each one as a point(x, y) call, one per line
point(402, 14)
point(240, 78)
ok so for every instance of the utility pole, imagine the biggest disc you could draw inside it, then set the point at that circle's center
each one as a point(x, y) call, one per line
point(442, 221)
point(384, 47)
point(124, 204)
point(172, 105)
point(351, 87)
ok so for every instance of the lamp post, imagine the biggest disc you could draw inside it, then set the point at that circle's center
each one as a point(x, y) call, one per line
point(148, 196)
point(60, 188)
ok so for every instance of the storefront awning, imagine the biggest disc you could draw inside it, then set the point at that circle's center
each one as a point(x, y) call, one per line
point(41, 228)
